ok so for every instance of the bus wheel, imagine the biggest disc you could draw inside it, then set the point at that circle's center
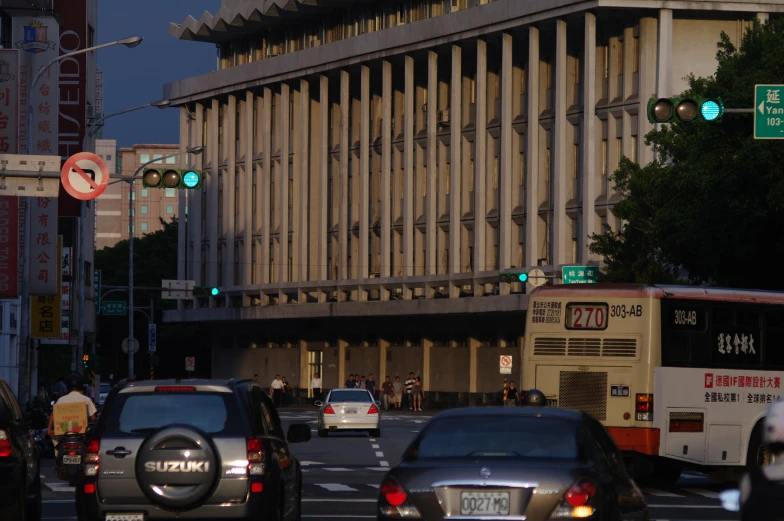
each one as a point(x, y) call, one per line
point(758, 455)
point(666, 473)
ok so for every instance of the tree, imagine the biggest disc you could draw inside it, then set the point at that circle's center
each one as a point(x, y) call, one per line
point(712, 202)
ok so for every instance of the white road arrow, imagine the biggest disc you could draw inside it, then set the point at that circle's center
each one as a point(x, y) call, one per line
point(306, 463)
point(762, 108)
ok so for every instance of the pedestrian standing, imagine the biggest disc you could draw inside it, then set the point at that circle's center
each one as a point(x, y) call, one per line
point(409, 391)
point(315, 384)
point(255, 377)
point(398, 387)
point(350, 382)
point(370, 385)
point(417, 393)
point(362, 382)
point(286, 392)
point(276, 389)
point(511, 396)
point(387, 393)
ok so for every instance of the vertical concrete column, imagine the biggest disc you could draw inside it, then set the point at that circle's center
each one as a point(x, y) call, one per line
point(561, 148)
point(455, 142)
point(185, 124)
point(480, 161)
point(295, 137)
point(473, 346)
point(304, 180)
point(589, 141)
point(342, 344)
point(196, 210)
point(431, 203)
point(364, 177)
point(213, 127)
point(386, 172)
point(426, 374)
point(345, 105)
point(304, 376)
point(229, 183)
point(664, 79)
point(258, 149)
point(266, 196)
point(506, 174)
point(408, 170)
point(647, 84)
point(532, 150)
point(283, 183)
point(323, 178)
point(382, 361)
point(247, 192)
point(763, 17)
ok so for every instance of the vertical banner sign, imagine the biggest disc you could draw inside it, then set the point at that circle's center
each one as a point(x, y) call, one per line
point(45, 316)
point(73, 76)
point(9, 246)
point(65, 296)
point(44, 265)
point(36, 38)
point(22, 202)
point(9, 101)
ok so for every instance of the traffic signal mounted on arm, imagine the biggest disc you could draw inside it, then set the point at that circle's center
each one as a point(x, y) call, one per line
point(669, 110)
point(183, 178)
point(512, 276)
point(205, 291)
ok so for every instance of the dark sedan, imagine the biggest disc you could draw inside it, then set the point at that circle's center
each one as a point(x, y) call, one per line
point(511, 464)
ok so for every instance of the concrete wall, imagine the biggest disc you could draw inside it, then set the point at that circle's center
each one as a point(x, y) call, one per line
point(450, 369)
point(488, 377)
point(362, 361)
point(239, 363)
point(402, 360)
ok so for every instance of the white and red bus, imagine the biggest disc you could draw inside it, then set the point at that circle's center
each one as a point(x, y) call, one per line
point(680, 376)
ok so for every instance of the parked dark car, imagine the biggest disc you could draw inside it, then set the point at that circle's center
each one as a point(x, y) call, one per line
point(195, 449)
point(514, 463)
point(20, 481)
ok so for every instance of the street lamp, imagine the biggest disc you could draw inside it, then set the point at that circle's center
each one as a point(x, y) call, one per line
point(132, 211)
point(24, 312)
point(161, 104)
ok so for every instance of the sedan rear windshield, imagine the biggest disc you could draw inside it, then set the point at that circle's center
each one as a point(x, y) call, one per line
point(144, 413)
point(350, 397)
point(500, 436)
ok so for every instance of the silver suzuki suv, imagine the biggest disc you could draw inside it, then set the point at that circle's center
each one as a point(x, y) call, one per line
point(190, 449)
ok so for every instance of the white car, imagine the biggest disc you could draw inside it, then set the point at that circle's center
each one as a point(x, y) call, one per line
point(348, 410)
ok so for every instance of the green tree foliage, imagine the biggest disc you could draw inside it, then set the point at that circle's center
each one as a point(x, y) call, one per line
point(712, 202)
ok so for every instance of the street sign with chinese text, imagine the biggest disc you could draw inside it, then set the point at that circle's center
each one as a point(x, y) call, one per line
point(45, 311)
point(9, 102)
point(768, 111)
point(97, 284)
point(9, 247)
point(580, 274)
point(44, 253)
point(114, 307)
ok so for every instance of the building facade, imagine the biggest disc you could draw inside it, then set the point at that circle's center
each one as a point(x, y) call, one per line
point(368, 171)
point(151, 205)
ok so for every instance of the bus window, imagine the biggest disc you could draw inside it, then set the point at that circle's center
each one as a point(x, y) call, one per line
point(773, 346)
point(685, 350)
point(748, 318)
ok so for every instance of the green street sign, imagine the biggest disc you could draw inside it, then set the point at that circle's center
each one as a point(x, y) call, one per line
point(115, 307)
point(97, 284)
point(768, 111)
point(580, 274)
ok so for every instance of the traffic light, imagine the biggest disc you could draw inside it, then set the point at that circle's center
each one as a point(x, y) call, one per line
point(669, 110)
point(86, 361)
point(185, 178)
point(205, 291)
point(512, 276)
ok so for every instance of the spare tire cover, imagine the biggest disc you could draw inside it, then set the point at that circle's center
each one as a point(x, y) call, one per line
point(177, 467)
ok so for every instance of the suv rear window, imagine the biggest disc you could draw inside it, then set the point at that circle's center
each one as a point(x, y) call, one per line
point(500, 436)
point(149, 412)
point(350, 396)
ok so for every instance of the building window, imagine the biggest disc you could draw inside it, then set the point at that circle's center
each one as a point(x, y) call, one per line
point(144, 158)
point(108, 157)
point(170, 209)
point(158, 158)
point(636, 55)
point(144, 192)
point(144, 227)
point(145, 209)
point(618, 151)
point(170, 192)
point(634, 147)
point(171, 160)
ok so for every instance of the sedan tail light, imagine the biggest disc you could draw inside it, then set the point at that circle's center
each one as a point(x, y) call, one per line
point(5, 445)
point(373, 410)
point(393, 501)
point(329, 410)
point(578, 502)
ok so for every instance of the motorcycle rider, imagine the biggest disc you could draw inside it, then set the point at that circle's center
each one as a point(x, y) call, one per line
point(75, 385)
point(534, 398)
point(762, 488)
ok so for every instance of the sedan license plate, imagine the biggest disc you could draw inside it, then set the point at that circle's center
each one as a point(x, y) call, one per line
point(125, 517)
point(350, 411)
point(484, 503)
point(72, 460)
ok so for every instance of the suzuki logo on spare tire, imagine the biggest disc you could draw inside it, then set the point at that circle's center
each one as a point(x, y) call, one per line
point(177, 467)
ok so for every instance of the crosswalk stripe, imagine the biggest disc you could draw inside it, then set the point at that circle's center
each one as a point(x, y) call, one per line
point(336, 487)
point(660, 493)
point(60, 487)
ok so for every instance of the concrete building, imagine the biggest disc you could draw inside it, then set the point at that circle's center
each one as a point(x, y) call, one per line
point(151, 204)
point(370, 166)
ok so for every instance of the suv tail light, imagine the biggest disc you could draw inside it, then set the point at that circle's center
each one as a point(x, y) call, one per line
point(92, 458)
point(373, 410)
point(5, 445)
point(644, 407)
point(577, 502)
point(394, 501)
point(255, 450)
point(329, 410)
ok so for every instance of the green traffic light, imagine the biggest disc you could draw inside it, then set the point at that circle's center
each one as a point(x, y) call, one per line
point(190, 179)
point(523, 277)
point(214, 292)
point(711, 110)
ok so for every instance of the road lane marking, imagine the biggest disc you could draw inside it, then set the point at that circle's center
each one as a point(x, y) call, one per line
point(337, 469)
point(306, 463)
point(336, 487)
point(371, 439)
point(704, 492)
point(372, 485)
point(60, 487)
point(375, 445)
point(330, 500)
point(650, 505)
point(58, 501)
point(383, 463)
point(661, 493)
point(326, 517)
point(379, 454)
point(382, 469)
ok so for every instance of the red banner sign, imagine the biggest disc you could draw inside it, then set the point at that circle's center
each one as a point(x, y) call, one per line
point(9, 246)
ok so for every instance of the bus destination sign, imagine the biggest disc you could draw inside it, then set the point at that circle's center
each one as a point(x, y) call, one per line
point(686, 318)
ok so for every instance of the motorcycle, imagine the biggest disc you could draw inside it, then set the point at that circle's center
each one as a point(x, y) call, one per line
point(70, 453)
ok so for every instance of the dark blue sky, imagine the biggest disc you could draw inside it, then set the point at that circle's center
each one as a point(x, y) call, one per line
point(136, 76)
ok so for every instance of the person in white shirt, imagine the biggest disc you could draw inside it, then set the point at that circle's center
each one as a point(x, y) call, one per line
point(76, 388)
point(276, 389)
point(315, 384)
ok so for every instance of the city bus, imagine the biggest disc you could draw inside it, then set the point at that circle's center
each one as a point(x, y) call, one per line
point(679, 375)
